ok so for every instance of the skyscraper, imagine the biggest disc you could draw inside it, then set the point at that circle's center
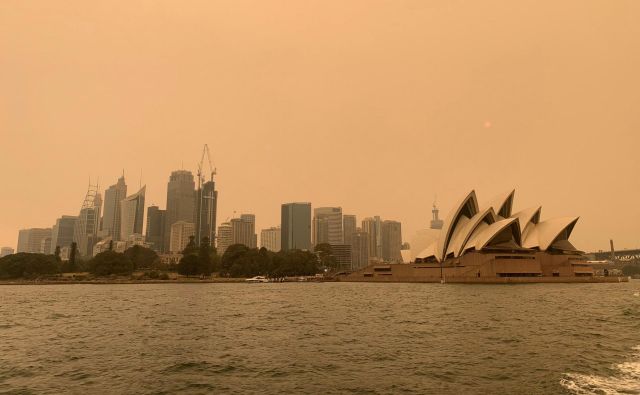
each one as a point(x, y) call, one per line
point(327, 225)
point(243, 229)
point(86, 229)
point(373, 227)
point(111, 216)
point(181, 232)
point(296, 226)
point(132, 211)
point(251, 219)
point(391, 241)
point(359, 250)
point(23, 240)
point(155, 228)
point(349, 225)
point(62, 232)
point(30, 240)
point(225, 237)
point(270, 239)
point(206, 211)
point(181, 199)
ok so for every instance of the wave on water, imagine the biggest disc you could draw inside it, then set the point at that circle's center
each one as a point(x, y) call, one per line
point(199, 367)
point(625, 381)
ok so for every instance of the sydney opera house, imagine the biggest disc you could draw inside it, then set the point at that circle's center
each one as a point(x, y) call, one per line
point(490, 243)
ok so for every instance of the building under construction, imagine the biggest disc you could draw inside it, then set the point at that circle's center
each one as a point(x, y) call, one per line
point(206, 199)
point(88, 223)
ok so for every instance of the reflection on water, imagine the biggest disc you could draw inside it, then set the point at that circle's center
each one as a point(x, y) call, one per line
point(320, 338)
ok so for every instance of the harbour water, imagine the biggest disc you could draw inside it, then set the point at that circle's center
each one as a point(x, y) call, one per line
point(360, 338)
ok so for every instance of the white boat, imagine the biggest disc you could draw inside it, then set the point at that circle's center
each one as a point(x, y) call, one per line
point(257, 279)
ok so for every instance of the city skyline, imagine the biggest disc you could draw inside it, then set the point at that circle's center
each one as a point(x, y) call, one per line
point(327, 226)
point(394, 104)
point(259, 225)
point(283, 197)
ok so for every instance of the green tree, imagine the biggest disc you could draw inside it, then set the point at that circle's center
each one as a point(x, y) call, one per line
point(28, 265)
point(57, 254)
point(191, 247)
point(71, 266)
point(325, 254)
point(73, 256)
point(142, 257)
point(110, 262)
point(188, 265)
point(241, 261)
point(232, 254)
point(205, 257)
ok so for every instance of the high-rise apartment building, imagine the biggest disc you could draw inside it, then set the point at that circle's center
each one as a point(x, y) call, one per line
point(87, 226)
point(181, 199)
point(181, 232)
point(111, 215)
point(296, 226)
point(327, 225)
point(132, 211)
point(373, 227)
point(206, 211)
point(359, 250)
point(225, 237)
point(4, 251)
point(155, 228)
point(30, 240)
point(349, 225)
point(391, 241)
point(62, 232)
point(270, 239)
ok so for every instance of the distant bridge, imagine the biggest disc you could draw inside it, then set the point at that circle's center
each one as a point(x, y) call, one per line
point(622, 255)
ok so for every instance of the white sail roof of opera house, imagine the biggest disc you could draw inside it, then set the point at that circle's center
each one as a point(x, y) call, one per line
point(494, 227)
point(422, 239)
point(528, 219)
point(468, 227)
point(551, 232)
point(502, 204)
point(467, 208)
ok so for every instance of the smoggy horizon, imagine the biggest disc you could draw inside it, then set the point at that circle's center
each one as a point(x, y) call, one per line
point(372, 106)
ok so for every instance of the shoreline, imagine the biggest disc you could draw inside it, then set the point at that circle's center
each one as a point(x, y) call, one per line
point(379, 281)
point(123, 281)
point(490, 280)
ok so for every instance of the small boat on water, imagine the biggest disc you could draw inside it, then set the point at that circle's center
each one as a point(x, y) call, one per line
point(257, 279)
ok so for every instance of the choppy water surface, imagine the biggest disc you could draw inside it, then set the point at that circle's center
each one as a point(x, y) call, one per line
point(320, 338)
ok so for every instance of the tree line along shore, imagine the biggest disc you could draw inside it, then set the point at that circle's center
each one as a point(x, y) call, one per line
point(198, 263)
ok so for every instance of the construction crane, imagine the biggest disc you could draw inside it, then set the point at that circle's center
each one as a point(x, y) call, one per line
point(205, 151)
point(205, 201)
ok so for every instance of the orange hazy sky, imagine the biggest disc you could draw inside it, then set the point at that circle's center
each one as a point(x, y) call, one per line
point(375, 106)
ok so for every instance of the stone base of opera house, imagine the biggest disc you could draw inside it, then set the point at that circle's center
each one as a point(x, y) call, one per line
point(484, 268)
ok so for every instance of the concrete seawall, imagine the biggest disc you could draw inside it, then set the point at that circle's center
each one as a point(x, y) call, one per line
point(485, 280)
